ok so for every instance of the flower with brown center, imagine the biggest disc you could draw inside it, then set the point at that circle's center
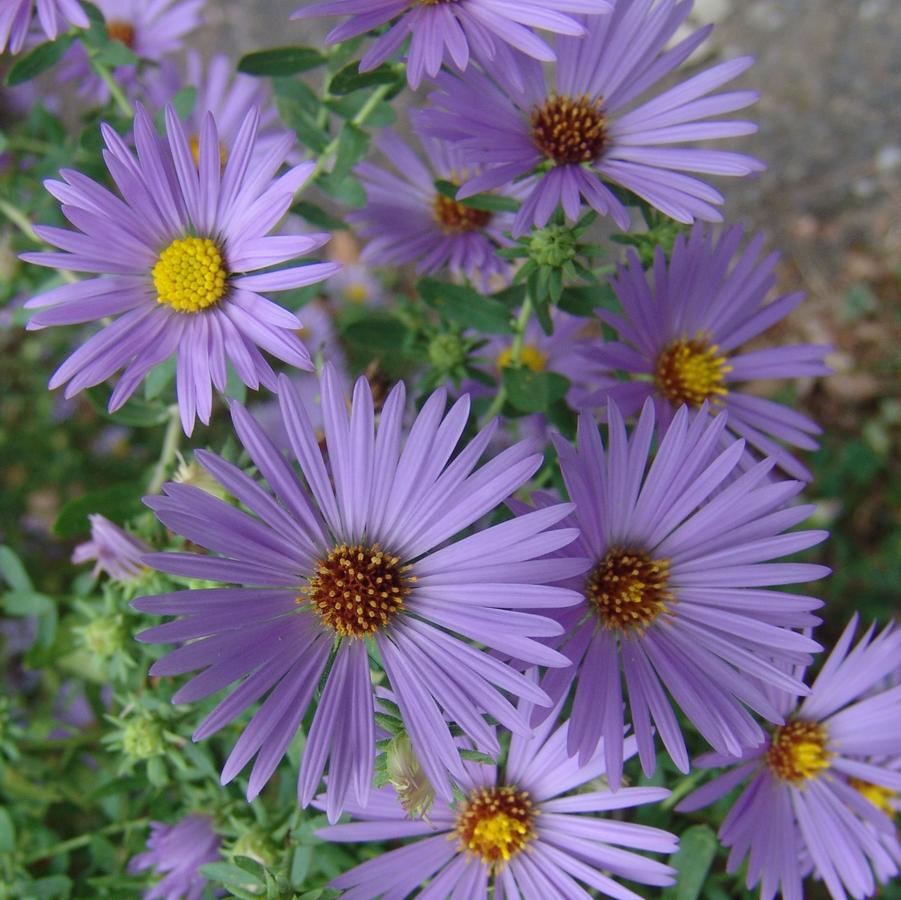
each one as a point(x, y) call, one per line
point(798, 751)
point(692, 372)
point(496, 823)
point(457, 218)
point(628, 590)
point(357, 590)
point(570, 130)
point(123, 32)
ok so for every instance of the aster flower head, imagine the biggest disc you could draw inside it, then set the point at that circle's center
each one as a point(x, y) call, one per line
point(337, 566)
point(408, 220)
point(593, 122)
point(177, 852)
point(115, 551)
point(684, 330)
point(529, 829)
point(151, 29)
point(823, 787)
point(54, 16)
point(178, 259)
point(451, 31)
point(678, 598)
point(356, 285)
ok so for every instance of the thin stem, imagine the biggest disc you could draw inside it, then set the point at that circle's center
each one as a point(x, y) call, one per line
point(115, 90)
point(171, 440)
point(22, 144)
point(519, 335)
point(20, 220)
point(685, 786)
point(83, 839)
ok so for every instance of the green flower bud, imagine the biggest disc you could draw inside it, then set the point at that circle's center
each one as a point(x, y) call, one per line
point(256, 845)
point(408, 779)
point(142, 738)
point(105, 636)
point(553, 246)
point(446, 352)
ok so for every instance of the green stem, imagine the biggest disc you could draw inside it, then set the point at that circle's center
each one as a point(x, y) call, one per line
point(83, 839)
point(360, 118)
point(685, 786)
point(115, 90)
point(23, 144)
point(519, 335)
point(20, 220)
point(171, 440)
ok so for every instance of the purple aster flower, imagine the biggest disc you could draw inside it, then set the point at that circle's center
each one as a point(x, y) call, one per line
point(453, 30)
point(54, 16)
point(178, 851)
point(823, 787)
point(150, 28)
point(357, 562)
point(681, 336)
point(175, 256)
point(408, 220)
point(354, 286)
point(116, 552)
point(589, 125)
point(523, 831)
point(679, 591)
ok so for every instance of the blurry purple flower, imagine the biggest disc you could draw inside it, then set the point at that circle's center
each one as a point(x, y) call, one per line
point(368, 567)
point(525, 831)
point(681, 554)
point(586, 127)
point(442, 31)
point(116, 552)
point(54, 16)
point(680, 336)
point(173, 255)
point(177, 852)
point(823, 786)
point(407, 220)
point(354, 286)
point(151, 29)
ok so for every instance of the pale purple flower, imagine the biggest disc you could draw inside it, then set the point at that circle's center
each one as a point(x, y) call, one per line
point(151, 29)
point(178, 257)
point(177, 852)
point(823, 787)
point(115, 551)
point(442, 31)
point(594, 122)
point(679, 595)
point(407, 220)
point(54, 16)
point(356, 285)
point(681, 330)
point(531, 829)
point(383, 521)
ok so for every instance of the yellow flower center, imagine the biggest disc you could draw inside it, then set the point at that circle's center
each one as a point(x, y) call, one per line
point(570, 130)
point(530, 357)
point(190, 275)
point(356, 292)
point(629, 590)
point(496, 823)
point(456, 218)
point(881, 797)
point(357, 590)
point(690, 371)
point(798, 751)
point(194, 145)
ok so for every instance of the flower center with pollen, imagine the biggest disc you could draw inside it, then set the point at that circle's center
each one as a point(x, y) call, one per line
point(691, 371)
point(455, 218)
point(570, 130)
point(190, 275)
point(358, 590)
point(798, 751)
point(530, 357)
point(882, 798)
point(496, 823)
point(124, 32)
point(628, 589)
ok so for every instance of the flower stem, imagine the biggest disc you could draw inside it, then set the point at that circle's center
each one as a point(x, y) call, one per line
point(83, 839)
point(115, 90)
point(171, 440)
point(519, 334)
point(20, 220)
point(685, 786)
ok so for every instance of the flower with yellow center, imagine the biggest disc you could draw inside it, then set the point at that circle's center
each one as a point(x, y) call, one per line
point(798, 752)
point(691, 371)
point(495, 824)
point(530, 357)
point(882, 798)
point(190, 275)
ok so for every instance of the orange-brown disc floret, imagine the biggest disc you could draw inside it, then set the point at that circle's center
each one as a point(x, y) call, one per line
point(570, 130)
point(798, 751)
point(628, 590)
point(496, 823)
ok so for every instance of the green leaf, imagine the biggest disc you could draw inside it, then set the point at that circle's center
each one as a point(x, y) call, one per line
point(50, 887)
point(476, 756)
point(159, 378)
point(43, 57)
point(7, 832)
point(584, 300)
point(13, 571)
point(351, 79)
point(532, 392)
point(184, 101)
point(347, 190)
point(281, 61)
point(136, 413)
point(352, 145)
point(317, 216)
point(301, 862)
point(27, 603)
point(491, 203)
point(377, 334)
point(117, 503)
point(697, 848)
point(114, 54)
point(466, 306)
point(233, 876)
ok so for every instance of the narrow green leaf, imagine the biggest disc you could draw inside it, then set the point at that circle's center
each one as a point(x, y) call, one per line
point(13, 571)
point(350, 78)
point(232, 876)
point(281, 61)
point(26, 603)
point(532, 392)
point(377, 334)
point(116, 503)
point(317, 216)
point(466, 306)
point(352, 145)
point(7, 832)
point(697, 848)
point(43, 57)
